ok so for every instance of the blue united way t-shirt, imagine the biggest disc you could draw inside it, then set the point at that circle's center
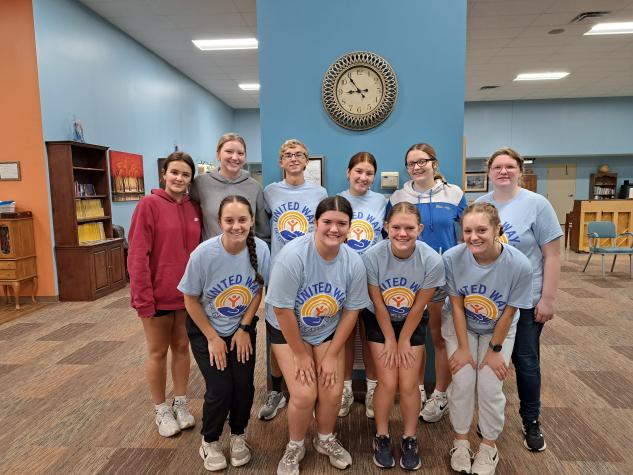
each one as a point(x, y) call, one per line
point(317, 290)
point(488, 289)
point(368, 219)
point(292, 211)
point(400, 279)
point(225, 282)
point(529, 222)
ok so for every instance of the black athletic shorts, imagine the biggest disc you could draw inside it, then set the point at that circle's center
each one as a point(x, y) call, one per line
point(277, 338)
point(374, 333)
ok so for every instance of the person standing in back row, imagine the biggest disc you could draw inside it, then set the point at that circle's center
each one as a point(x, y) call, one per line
point(291, 203)
point(441, 205)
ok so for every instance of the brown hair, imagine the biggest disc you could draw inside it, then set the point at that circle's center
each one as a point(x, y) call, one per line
point(403, 207)
point(430, 151)
point(334, 203)
point(292, 143)
point(362, 157)
point(179, 157)
point(510, 152)
point(484, 208)
point(229, 137)
point(250, 239)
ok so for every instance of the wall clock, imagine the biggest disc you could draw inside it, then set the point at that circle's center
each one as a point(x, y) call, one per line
point(359, 90)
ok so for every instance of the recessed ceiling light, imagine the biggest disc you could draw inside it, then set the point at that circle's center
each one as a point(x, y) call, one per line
point(249, 86)
point(611, 29)
point(226, 44)
point(540, 76)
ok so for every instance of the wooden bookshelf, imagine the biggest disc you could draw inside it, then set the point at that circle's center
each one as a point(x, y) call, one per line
point(603, 186)
point(86, 269)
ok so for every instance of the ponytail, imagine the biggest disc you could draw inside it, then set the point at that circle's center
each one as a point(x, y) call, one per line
point(252, 255)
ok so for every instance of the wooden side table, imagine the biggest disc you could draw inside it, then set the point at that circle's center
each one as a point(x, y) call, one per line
point(17, 253)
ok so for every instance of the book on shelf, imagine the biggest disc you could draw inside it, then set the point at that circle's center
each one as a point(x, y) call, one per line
point(84, 189)
point(89, 208)
point(91, 232)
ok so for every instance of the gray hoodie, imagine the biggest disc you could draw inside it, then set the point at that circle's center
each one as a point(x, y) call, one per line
point(211, 188)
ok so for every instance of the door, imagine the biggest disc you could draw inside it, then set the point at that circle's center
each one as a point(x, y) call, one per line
point(561, 188)
point(117, 274)
point(100, 263)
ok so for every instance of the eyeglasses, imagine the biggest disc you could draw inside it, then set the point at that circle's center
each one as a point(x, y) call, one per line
point(420, 163)
point(297, 155)
point(509, 168)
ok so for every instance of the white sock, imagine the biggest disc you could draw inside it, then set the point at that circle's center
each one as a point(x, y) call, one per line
point(422, 390)
point(180, 399)
point(298, 443)
point(324, 437)
point(347, 385)
point(371, 383)
point(441, 394)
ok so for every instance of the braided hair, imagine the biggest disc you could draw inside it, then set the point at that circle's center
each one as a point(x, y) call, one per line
point(250, 239)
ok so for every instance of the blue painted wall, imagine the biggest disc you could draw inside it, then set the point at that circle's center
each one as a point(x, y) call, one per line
point(299, 39)
point(246, 123)
point(126, 97)
point(591, 126)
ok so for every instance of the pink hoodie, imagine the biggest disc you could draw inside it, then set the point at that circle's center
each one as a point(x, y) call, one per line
point(162, 235)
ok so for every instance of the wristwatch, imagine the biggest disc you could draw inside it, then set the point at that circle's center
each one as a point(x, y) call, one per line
point(495, 348)
point(246, 328)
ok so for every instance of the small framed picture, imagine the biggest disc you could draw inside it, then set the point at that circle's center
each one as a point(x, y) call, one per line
point(476, 181)
point(10, 171)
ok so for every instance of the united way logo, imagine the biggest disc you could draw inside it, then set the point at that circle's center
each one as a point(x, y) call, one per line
point(398, 300)
point(503, 238)
point(317, 308)
point(480, 308)
point(361, 235)
point(233, 301)
point(292, 224)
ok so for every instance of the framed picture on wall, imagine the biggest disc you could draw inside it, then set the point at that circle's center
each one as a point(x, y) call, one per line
point(126, 176)
point(315, 171)
point(476, 181)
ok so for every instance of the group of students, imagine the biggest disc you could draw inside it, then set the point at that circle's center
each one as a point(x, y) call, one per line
point(481, 277)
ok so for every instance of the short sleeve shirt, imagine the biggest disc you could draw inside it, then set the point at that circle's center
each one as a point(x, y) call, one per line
point(368, 219)
point(400, 279)
point(292, 211)
point(317, 290)
point(225, 282)
point(529, 222)
point(488, 289)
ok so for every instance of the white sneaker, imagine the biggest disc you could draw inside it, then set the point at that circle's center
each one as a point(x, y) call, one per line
point(167, 425)
point(212, 455)
point(240, 451)
point(339, 457)
point(347, 399)
point(289, 463)
point(461, 456)
point(369, 403)
point(184, 418)
point(486, 460)
point(435, 407)
point(422, 400)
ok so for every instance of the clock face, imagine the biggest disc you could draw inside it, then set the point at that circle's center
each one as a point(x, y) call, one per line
point(359, 90)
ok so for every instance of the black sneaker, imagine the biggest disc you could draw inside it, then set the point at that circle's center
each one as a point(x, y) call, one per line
point(533, 439)
point(383, 457)
point(410, 457)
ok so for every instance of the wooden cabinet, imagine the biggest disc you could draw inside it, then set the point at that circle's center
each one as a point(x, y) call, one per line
point(619, 212)
point(90, 261)
point(17, 253)
point(603, 186)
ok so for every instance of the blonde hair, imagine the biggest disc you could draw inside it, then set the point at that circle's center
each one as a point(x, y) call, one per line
point(229, 137)
point(430, 151)
point(487, 209)
point(403, 207)
point(510, 152)
point(290, 143)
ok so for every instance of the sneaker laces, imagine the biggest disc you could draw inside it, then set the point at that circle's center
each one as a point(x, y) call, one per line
point(238, 443)
point(332, 445)
point(382, 442)
point(291, 455)
point(533, 428)
point(270, 399)
point(486, 454)
point(164, 411)
point(181, 408)
point(409, 443)
point(348, 396)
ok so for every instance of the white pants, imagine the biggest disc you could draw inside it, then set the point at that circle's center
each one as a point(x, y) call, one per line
point(461, 392)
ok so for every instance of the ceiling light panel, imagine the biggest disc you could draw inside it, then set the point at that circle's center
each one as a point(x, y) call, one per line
point(226, 44)
point(249, 86)
point(540, 76)
point(623, 28)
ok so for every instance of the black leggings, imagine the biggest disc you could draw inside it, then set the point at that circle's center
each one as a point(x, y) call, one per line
point(227, 392)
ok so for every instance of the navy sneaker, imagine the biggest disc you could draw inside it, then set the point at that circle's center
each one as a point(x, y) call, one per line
point(533, 440)
point(410, 456)
point(383, 457)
